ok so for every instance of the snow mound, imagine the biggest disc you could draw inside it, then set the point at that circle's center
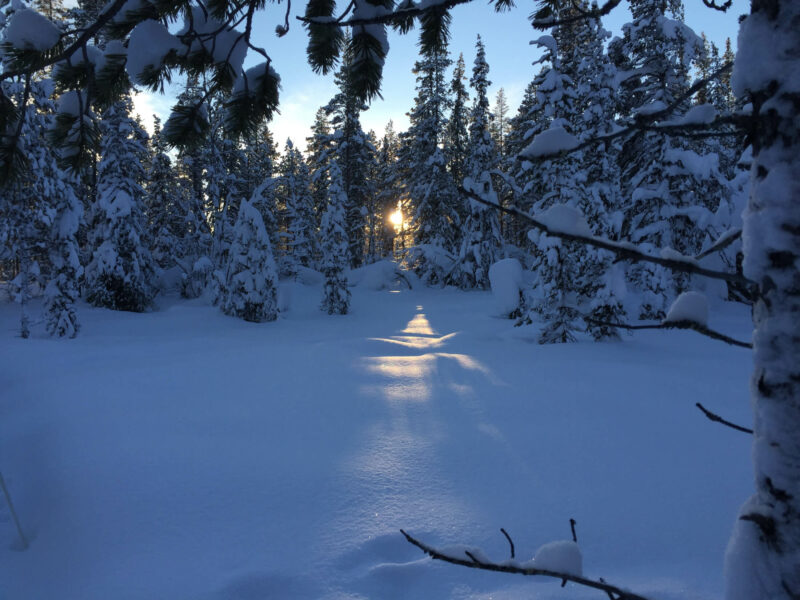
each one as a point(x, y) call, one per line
point(505, 277)
point(689, 306)
point(565, 219)
point(28, 30)
point(380, 275)
point(563, 556)
point(551, 141)
point(308, 276)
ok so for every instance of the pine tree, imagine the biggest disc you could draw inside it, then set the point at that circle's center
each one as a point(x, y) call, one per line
point(298, 211)
point(389, 188)
point(319, 148)
point(500, 125)
point(120, 274)
point(456, 142)
point(250, 275)
point(336, 296)
point(481, 245)
point(659, 194)
point(432, 194)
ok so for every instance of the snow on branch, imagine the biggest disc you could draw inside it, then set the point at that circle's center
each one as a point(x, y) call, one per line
point(725, 240)
point(475, 560)
point(683, 324)
point(650, 121)
point(108, 13)
point(388, 17)
point(624, 250)
point(541, 20)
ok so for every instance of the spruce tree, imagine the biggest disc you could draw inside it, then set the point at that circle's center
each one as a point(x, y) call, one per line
point(336, 296)
point(456, 142)
point(120, 274)
point(481, 244)
point(298, 211)
point(250, 290)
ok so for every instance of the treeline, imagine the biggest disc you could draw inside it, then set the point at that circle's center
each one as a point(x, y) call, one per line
point(226, 218)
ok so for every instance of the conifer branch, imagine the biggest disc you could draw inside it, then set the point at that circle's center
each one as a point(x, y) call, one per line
point(723, 242)
point(623, 250)
point(79, 43)
point(476, 563)
point(582, 15)
point(717, 419)
point(683, 324)
point(384, 19)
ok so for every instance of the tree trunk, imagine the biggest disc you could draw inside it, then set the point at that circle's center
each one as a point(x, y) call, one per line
point(763, 559)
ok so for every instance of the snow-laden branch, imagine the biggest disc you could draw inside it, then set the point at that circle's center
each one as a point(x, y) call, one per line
point(725, 240)
point(717, 419)
point(682, 324)
point(110, 11)
point(625, 250)
point(651, 121)
point(580, 15)
point(385, 18)
point(473, 561)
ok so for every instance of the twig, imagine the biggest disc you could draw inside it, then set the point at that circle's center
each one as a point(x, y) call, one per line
point(625, 251)
point(572, 524)
point(13, 513)
point(685, 324)
point(717, 419)
point(510, 541)
point(509, 568)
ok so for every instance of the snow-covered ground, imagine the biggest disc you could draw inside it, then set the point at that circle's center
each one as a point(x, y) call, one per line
point(183, 454)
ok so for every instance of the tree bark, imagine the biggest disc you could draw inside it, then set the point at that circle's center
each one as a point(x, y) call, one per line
point(763, 559)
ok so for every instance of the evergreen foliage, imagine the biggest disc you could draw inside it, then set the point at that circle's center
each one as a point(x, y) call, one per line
point(336, 296)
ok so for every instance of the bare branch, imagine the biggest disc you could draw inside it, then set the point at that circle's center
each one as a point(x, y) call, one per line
point(387, 18)
point(720, 7)
point(572, 524)
point(474, 563)
point(676, 325)
point(717, 419)
point(510, 541)
point(623, 250)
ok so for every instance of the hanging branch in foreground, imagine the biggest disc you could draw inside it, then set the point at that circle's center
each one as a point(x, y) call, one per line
point(717, 419)
point(624, 250)
point(683, 324)
point(473, 562)
point(390, 17)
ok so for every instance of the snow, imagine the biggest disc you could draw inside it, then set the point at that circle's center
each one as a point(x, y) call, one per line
point(689, 306)
point(564, 219)
point(28, 30)
point(150, 43)
point(563, 556)
point(551, 141)
point(506, 278)
point(182, 453)
point(380, 275)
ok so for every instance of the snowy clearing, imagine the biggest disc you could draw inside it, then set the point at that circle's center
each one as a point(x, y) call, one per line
point(186, 454)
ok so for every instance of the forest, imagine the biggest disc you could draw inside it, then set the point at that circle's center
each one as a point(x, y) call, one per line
point(647, 180)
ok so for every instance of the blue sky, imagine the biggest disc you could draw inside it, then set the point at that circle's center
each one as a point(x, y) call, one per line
point(509, 53)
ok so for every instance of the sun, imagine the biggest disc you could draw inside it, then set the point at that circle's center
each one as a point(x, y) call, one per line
point(396, 218)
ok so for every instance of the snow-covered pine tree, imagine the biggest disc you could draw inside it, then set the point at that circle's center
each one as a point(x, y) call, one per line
point(319, 147)
point(251, 279)
point(600, 283)
point(165, 213)
point(120, 274)
point(481, 242)
point(554, 184)
point(335, 296)
point(389, 188)
point(353, 152)
point(298, 211)
point(500, 125)
point(662, 208)
point(429, 186)
point(456, 141)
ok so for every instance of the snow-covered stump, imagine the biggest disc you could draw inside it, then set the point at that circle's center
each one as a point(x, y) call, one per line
point(250, 279)
point(763, 559)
